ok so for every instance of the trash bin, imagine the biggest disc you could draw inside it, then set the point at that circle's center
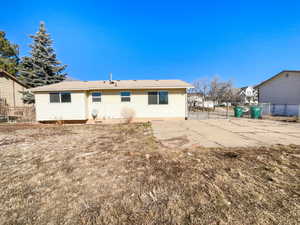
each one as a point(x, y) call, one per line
point(238, 111)
point(255, 112)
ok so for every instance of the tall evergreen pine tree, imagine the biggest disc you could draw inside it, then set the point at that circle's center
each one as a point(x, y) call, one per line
point(8, 55)
point(42, 67)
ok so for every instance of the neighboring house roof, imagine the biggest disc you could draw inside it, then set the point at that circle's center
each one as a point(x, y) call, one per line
point(115, 84)
point(69, 78)
point(12, 77)
point(275, 76)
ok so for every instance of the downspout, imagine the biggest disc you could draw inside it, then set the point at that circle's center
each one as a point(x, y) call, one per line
point(186, 106)
point(14, 94)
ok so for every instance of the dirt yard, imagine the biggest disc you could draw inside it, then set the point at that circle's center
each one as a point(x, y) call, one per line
point(121, 174)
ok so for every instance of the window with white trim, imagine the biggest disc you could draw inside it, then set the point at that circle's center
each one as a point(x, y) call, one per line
point(60, 97)
point(54, 97)
point(65, 97)
point(96, 96)
point(125, 96)
point(158, 98)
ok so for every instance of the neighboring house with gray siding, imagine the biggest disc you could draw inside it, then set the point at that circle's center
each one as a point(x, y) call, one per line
point(282, 91)
point(10, 90)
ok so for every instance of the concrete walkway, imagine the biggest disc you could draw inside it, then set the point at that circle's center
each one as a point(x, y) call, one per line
point(226, 133)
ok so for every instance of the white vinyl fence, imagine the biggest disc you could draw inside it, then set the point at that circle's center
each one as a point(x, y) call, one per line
point(285, 110)
point(265, 109)
point(280, 109)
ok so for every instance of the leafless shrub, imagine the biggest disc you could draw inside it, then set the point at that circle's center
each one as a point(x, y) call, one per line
point(128, 114)
point(60, 122)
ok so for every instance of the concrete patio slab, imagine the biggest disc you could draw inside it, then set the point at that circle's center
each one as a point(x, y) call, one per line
point(226, 133)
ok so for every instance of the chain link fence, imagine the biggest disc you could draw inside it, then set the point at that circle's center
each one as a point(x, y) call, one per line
point(226, 112)
point(211, 113)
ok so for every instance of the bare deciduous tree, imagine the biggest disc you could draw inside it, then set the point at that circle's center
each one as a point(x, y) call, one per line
point(201, 86)
point(216, 90)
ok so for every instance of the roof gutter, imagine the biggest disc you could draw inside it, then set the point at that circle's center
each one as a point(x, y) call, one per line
point(93, 89)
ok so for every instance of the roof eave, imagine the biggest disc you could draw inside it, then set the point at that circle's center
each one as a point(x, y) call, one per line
point(271, 78)
point(108, 88)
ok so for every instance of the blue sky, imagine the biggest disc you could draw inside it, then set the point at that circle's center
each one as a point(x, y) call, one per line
point(246, 41)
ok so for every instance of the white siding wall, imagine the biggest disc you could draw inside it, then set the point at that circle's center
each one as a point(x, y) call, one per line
point(281, 90)
point(76, 110)
point(111, 106)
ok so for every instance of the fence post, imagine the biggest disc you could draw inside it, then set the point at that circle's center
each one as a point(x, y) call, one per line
point(298, 113)
point(227, 108)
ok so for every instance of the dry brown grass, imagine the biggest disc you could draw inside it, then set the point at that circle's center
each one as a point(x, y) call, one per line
point(119, 174)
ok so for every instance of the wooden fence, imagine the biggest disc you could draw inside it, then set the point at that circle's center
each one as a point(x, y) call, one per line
point(19, 114)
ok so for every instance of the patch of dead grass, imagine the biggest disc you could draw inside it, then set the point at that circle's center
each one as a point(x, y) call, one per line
point(119, 174)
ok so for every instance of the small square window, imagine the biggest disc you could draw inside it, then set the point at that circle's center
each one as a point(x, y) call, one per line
point(152, 98)
point(96, 97)
point(54, 97)
point(125, 96)
point(163, 97)
point(65, 97)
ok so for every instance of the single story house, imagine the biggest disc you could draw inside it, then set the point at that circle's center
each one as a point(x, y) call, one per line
point(282, 91)
point(112, 99)
point(10, 90)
